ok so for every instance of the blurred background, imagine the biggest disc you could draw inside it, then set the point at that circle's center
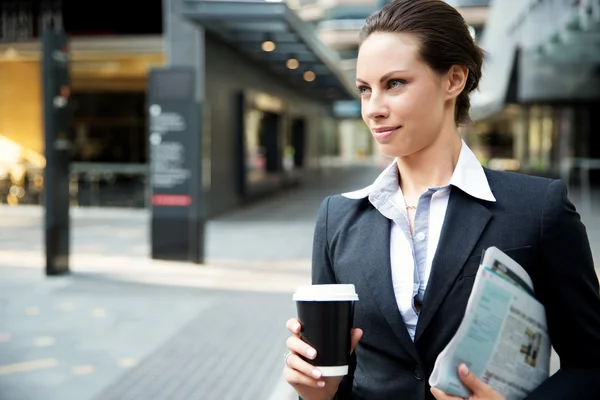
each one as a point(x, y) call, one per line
point(278, 128)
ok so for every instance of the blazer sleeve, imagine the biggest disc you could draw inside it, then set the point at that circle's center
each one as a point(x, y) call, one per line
point(567, 285)
point(322, 274)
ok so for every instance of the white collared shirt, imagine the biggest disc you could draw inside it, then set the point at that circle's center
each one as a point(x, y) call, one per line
point(411, 256)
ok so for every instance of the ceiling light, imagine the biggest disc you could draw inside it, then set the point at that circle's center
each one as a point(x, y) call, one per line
point(309, 76)
point(292, 63)
point(268, 45)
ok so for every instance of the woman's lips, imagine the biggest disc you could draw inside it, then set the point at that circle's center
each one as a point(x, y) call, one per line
point(383, 134)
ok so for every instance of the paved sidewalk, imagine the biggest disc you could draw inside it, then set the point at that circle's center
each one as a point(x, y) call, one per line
point(122, 326)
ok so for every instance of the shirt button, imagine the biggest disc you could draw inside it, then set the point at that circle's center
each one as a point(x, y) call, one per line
point(418, 373)
point(420, 236)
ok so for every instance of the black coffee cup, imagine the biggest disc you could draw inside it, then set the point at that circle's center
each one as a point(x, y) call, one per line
point(326, 313)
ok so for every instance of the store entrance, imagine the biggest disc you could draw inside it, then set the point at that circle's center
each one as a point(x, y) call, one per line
point(109, 149)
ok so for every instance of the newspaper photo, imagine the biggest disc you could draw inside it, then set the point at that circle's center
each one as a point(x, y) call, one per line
point(503, 337)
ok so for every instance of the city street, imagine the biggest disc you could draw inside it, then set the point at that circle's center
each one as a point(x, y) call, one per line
point(251, 113)
point(122, 326)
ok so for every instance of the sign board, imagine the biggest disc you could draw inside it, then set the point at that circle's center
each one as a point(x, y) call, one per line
point(174, 137)
point(170, 167)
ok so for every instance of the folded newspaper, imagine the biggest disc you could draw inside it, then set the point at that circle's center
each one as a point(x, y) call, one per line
point(503, 337)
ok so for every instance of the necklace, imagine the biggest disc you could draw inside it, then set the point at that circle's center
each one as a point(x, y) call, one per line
point(407, 207)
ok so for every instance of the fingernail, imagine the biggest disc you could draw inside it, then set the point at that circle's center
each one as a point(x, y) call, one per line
point(321, 384)
point(463, 369)
point(296, 327)
point(311, 353)
point(316, 373)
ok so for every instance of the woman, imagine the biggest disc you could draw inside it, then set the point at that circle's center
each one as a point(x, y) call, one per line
point(412, 241)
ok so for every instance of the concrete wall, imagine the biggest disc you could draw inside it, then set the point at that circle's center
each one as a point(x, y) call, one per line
point(227, 74)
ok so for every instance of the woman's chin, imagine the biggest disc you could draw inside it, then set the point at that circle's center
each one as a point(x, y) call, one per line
point(401, 149)
point(390, 151)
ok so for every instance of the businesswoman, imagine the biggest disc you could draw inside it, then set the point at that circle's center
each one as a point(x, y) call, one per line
point(412, 241)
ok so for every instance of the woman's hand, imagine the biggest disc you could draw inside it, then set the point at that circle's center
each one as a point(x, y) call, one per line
point(480, 390)
point(304, 378)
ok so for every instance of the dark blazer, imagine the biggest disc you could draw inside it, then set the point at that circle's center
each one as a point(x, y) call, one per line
point(532, 220)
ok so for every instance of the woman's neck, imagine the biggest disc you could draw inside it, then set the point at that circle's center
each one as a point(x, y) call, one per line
point(432, 166)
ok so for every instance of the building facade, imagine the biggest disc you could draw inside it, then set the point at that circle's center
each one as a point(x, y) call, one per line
point(538, 103)
point(263, 123)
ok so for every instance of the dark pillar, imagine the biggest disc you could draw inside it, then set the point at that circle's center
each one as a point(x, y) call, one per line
point(56, 91)
point(185, 51)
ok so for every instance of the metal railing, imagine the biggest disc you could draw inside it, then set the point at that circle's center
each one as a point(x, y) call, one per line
point(98, 184)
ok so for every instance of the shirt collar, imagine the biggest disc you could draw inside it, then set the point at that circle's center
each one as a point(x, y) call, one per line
point(468, 176)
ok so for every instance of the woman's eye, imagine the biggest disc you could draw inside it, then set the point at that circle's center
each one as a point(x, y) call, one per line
point(395, 83)
point(363, 90)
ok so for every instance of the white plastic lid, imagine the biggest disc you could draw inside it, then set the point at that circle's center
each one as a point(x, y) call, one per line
point(326, 293)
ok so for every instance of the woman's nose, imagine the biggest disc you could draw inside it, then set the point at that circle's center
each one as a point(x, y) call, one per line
point(375, 108)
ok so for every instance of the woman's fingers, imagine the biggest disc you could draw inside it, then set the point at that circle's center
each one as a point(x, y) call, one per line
point(298, 364)
point(297, 346)
point(297, 371)
point(297, 378)
point(355, 338)
point(293, 325)
point(303, 376)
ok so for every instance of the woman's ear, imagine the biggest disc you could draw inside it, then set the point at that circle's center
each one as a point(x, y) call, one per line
point(456, 79)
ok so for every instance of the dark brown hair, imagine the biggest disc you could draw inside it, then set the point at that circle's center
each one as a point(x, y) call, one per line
point(444, 36)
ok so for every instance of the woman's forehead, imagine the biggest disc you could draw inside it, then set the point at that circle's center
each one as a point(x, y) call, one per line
point(388, 51)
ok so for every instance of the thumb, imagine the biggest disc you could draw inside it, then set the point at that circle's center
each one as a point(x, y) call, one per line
point(471, 381)
point(355, 337)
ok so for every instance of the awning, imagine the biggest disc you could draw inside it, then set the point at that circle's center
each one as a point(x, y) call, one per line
point(247, 24)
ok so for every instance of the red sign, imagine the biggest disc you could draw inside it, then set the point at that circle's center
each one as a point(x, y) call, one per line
point(177, 200)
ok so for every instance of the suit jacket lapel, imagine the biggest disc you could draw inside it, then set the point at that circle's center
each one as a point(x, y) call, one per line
point(464, 223)
point(376, 234)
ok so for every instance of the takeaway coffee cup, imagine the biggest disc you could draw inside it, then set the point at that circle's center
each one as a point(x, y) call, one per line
point(326, 313)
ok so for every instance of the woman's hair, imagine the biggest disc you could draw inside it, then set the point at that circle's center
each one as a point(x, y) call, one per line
point(444, 36)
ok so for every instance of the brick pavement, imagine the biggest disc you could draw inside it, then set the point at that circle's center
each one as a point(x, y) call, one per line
point(227, 352)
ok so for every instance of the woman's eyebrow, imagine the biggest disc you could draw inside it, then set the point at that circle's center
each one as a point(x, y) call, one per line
point(384, 77)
